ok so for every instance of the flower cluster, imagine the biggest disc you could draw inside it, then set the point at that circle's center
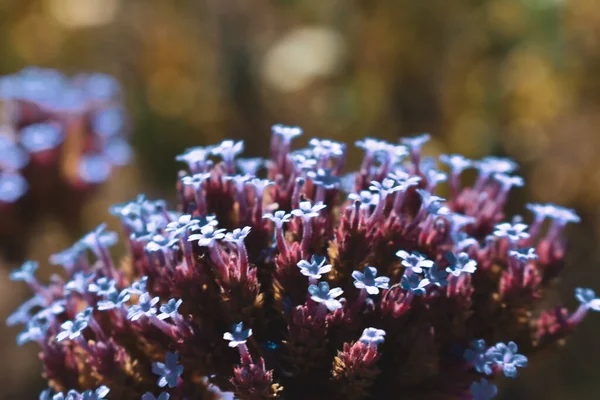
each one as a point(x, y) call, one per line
point(59, 137)
point(306, 284)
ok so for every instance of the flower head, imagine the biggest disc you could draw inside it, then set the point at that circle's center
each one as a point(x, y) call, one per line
point(238, 335)
point(323, 295)
point(370, 281)
point(169, 371)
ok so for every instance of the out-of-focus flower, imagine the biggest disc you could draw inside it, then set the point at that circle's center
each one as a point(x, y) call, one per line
point(60, 137)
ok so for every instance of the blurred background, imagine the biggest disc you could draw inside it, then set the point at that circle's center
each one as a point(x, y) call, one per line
point(506, 77)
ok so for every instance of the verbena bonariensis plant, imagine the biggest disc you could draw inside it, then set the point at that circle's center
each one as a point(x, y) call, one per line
point(288, 288)
point(59, 138)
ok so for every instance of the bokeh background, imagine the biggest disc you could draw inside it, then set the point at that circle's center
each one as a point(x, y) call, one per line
point(505, 77)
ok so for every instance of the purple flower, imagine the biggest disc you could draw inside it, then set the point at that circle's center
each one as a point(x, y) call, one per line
point(323, 295)
point(35, 329)
point(228, 149)
point(238, 235)
point(507, 181)
point(315, 268)
point(386, 187)
point(196, 180)
point(307, 210)
point(103, 286)
point(479, 355)
point(524, 254)
point(279, 217)
point(437, 276)
point(433, 204)
point(415, 261)
point(79, 283)
point(366, 198)
point(194, 155)
point(26, 273)
point(12, 187)
point(507, 357)
point(150, 396)
point(514, 233)
point(169, 371)
point(324, 178)
point(372, 336)
point(238, 335)
point(99, 238)
point(327, 148)
point(496, 165)
point(414, 283)
point(169, 309)
point(183, 224)
point(73, 329)
point(249, 166)
point(139, 286)
point(41, 137)
point(287, 133)
point(369, 280)
point(460, 263)
point(416, 142)
point(145, 307)
point(98, 394)
point(483, 390)
point(456, 162)
point(114, 300)
point(207, 236)
point(587, 298)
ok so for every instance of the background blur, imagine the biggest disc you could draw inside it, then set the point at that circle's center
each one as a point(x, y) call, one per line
point(505, 77)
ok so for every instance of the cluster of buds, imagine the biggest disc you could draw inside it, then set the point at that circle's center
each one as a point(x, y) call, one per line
point(306, 284)
point(59, 138)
